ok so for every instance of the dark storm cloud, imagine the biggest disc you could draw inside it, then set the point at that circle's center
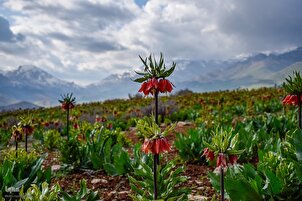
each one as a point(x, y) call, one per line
point(6, 34)
point(264, 24)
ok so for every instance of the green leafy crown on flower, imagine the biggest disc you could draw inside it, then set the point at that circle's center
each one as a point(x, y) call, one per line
point(67, 98)
point(26, 121)
point(154, 69)
point(148, 128)
point(293, 84)
point(224, 141)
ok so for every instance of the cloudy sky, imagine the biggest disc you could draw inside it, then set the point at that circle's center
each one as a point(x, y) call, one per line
point(86, 40)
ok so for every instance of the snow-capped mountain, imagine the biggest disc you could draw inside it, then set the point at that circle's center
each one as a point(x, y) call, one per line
point(32, 84)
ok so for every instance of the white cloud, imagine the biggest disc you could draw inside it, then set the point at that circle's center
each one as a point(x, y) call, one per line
point(88, 40)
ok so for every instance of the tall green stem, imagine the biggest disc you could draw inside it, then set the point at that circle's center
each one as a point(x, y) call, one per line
point(67, 122)
point(16, 147)
point(156, 107)
point(26, 140)
point(299, 110)
point(156, 156)
point(222, 183)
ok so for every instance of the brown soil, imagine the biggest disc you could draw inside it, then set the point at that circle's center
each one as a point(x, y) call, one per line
point(112, 188)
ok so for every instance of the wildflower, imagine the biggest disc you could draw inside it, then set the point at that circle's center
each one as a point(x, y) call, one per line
point(209, 154)
point(67, 102)
point(17, 134)
point(291, 100)
point(221, 160)
point(28, 129)
point(165, 85)
point(233, 159)
point(46, 124)
point(98, 118)
point(76, 126)
point(66, 106)
point(156, 146)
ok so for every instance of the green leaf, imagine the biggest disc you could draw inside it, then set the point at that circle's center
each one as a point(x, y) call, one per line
point(274, 182)
point(140, 80)
point(240, 190)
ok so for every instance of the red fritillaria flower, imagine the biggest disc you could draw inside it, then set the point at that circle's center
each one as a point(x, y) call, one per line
point(209, 154)
point(233, 159)
point(221, 160)
point(164, 85)
point(76, 126)
point(17, 135)
point(28, 129)
point(149, 87)
point(291, 100)
point(46, 124)
point(156, 146)
point(144, 88)
point(66, 106)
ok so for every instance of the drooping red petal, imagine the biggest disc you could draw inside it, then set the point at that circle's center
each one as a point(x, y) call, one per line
point(157, 146)
point(143, 87)
point(233, 159)
point(285, 100)
point(162, 85)
point(168, 86)
point(293, 100)
point(221, 160)
point(165, 146)
point(145, 146)
point(206, 151)
point(290, 100)
point(154, 83)
point(211, 155)
point(149, 85)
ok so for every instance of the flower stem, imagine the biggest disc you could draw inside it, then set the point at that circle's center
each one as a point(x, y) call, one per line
point(156, 107)
point(26, 140)
point(155, 175)
point(67, 122)
point(299, 110)
point(222, 183)
point(16, 147)
point(156, 156)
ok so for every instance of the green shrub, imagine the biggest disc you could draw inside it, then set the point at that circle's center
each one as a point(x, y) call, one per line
point(52, 139)
point(190, 145)
point(34, 193)
point(70, 151)
point(168, 182)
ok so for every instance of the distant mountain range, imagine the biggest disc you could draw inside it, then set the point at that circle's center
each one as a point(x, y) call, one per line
point(32, 84)
point(19, 106)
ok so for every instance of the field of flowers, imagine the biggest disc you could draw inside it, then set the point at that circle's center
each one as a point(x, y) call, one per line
point(235, 145)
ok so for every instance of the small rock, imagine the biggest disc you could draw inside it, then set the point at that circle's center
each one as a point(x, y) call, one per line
point(198, 182)
point(55, 168)
point(183, 123)
point(197, 197)
point(95, 181)
point(124, 192)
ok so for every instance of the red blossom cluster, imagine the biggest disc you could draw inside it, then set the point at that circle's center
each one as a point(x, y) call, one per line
point(28, 129)
point(156, 146)
point(222, 158)
point(100, 119)
point(17, 135)
point(66, 105)
point(153, 85)
point(291, 100)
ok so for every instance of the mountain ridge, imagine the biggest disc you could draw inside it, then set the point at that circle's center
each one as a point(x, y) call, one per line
point(32, 84)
